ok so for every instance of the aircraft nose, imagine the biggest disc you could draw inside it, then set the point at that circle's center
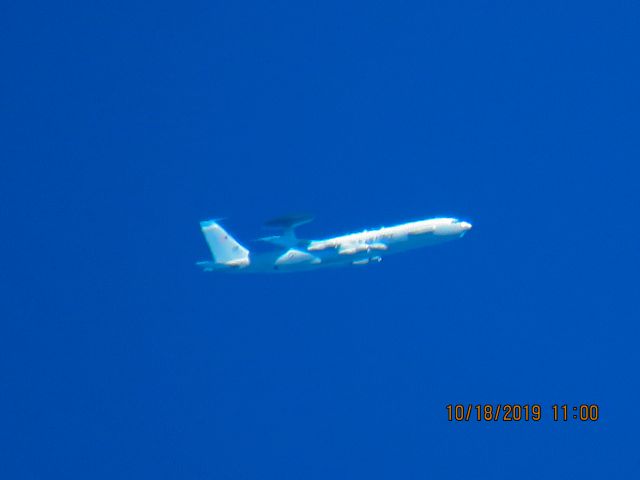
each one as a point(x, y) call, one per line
point(465, 226)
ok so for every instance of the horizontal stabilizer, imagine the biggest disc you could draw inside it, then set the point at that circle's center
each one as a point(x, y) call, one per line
point(239, 262)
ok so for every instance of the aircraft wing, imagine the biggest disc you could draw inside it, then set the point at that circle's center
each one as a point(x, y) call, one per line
point(353, 248)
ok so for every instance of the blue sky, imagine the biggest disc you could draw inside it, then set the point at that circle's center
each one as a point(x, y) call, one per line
point(125, 124)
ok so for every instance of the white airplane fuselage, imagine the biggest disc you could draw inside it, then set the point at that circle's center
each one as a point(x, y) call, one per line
point(358, 248)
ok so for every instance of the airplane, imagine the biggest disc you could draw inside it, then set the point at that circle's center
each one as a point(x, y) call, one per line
point(291, 254)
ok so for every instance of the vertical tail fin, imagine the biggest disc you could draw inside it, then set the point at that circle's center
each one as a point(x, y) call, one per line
point(224, 248)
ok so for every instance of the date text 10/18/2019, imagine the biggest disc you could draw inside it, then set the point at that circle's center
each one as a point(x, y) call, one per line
point(514, 412)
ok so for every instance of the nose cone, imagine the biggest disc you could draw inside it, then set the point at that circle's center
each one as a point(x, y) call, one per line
point(465, 226)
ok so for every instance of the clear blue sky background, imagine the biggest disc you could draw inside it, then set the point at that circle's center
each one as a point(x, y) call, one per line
point(123, 124)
